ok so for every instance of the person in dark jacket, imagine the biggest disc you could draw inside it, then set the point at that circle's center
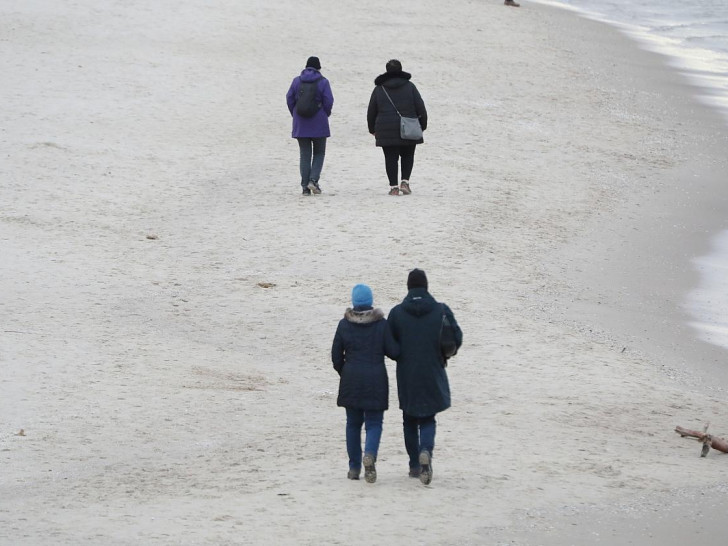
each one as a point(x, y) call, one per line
point(383, 121)
point(312, 132)
point(361, 341)
point(422, 382)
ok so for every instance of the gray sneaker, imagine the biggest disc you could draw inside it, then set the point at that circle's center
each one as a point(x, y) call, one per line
point(314, 187)
point(426, 464)
point(370, 471)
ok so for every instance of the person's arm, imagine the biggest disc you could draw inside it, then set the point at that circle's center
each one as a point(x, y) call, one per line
point(456, 326)
point(420, 108)
point(391, 347)
point(372, 112)
point(291, 96)
point(338, 353)
point(327, 98)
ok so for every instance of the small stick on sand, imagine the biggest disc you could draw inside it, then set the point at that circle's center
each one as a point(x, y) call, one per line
point(706, 439)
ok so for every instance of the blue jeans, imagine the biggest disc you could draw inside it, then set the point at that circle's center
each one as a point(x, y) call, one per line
point(355, 418)
point(419, 435)
point(313, 151)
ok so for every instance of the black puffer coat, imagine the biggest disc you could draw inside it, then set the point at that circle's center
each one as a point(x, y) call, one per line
point(361, 341)
point(382, 118)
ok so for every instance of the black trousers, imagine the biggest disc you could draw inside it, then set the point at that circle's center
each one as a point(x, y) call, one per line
point(391, 162)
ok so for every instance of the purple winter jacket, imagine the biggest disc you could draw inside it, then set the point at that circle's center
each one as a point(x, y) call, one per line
point(318, 125)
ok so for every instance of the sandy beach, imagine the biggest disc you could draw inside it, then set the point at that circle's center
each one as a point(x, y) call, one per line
point(168, 299)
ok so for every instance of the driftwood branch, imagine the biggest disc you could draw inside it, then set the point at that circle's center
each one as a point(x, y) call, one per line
point(708, 440)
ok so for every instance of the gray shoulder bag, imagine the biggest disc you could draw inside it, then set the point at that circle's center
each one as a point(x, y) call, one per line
point(409, 128)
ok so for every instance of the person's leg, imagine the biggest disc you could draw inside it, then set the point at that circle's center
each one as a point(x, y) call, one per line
point(304, 145)
point(411, 440)
point(317, 164)
point(354, 421)
point(391, 164)
point(427, 444)
point(407, 154)
point(373, 421)
point(428, 427)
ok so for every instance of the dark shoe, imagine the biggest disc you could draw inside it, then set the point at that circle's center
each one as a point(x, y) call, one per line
point(354, 473)
point(394, 190)
point(314, 187)
point(426, 464)
point(415, 472)
point(512, 3)
point(370, 472)
point(306, 191)
point(404, 187)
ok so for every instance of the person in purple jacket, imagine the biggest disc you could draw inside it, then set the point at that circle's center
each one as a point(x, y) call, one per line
point(311, 132)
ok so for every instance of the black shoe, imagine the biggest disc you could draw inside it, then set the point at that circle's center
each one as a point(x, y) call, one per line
point(370, 471)
point(415, 472)
point(354, 473)
point(426, 464)
point(306, 191)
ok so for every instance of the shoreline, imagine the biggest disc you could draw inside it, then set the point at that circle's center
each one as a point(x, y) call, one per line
point(653, 229)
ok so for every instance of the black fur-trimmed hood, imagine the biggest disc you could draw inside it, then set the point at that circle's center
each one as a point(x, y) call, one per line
point(364, 317)
point(390, 77)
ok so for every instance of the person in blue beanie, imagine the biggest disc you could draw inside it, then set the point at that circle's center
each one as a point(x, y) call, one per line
point(422, 383)
point(310, 129)
point(360, 344)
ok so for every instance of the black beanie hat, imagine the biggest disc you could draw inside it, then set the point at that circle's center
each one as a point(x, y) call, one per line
point(313, 62)
point(394, 65)
point(416, 279)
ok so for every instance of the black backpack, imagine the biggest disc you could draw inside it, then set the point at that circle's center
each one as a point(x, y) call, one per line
point(306, 103)
point(448, 341)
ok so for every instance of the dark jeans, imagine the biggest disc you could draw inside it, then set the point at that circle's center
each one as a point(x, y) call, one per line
point(391, 162)
point(372, 420)
point(313, 151)
point(419, 435)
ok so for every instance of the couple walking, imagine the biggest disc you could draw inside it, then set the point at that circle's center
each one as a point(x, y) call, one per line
point(310, 101)
point(411, 336)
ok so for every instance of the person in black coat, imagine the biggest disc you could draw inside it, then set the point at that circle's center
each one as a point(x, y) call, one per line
point(422, 383)
point(395, 92)
point(361, 341)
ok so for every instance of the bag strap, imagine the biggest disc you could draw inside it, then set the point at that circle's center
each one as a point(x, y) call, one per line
point(390, 100)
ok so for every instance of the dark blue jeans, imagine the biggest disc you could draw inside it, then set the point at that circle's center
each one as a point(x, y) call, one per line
point(372, 420)
point(313, 151)
point(419, 434)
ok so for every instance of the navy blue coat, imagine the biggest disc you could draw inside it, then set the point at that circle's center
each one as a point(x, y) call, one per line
point(422, 382)
point(361, 341)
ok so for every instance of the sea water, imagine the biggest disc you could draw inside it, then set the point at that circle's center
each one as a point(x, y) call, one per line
point(693, 35)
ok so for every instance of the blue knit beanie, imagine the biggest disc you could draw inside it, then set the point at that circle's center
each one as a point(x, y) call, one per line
point(361, 296)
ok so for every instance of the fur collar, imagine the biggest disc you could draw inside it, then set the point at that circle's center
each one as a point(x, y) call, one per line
point(363, 317)
point(389, 76)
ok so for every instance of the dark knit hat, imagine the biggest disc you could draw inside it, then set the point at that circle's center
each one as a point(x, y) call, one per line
point(313, 62)
point(416, 279)
point(361, 296)
point(393, 65)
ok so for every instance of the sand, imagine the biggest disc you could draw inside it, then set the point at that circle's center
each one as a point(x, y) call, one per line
point(169, 299)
